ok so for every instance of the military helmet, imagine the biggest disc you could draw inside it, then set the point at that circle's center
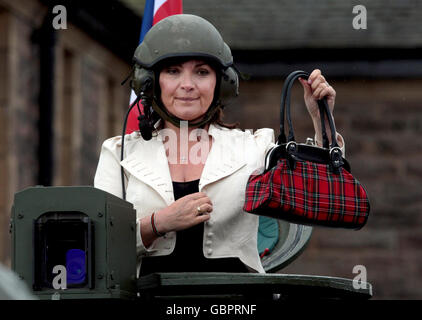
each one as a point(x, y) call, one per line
point(184, 36)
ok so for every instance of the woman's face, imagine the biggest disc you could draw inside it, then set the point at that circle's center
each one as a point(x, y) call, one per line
point(187, 89)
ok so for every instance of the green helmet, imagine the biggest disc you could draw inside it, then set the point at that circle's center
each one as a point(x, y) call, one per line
point(184, 36)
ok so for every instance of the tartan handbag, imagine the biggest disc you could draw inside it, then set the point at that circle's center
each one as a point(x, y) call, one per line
point(307, 184)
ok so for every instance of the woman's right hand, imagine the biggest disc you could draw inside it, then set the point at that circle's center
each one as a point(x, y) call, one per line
point(183, 213)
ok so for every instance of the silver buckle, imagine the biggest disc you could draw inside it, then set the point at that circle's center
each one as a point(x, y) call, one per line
point(291, 143)
point(337, 150)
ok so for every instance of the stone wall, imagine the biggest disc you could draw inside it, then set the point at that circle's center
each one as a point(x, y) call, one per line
point(19, 83)
point(89, 103)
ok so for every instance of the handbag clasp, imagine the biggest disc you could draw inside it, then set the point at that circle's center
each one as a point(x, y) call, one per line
point(336, 159)
point(291, 148)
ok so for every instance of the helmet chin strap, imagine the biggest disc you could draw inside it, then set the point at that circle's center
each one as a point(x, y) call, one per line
point(167, 116)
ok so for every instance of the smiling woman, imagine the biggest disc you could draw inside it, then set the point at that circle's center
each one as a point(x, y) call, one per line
point(187, 89)
point(199, 203)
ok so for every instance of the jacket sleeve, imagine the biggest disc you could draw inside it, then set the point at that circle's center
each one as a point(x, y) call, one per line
point(265, 139)
point(108, 174)
point(264, 142)
point(108, 178)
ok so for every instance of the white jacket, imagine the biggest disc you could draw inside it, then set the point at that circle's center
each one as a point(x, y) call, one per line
point(234, 155)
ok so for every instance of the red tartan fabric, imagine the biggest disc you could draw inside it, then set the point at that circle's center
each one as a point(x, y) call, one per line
point(310, 194)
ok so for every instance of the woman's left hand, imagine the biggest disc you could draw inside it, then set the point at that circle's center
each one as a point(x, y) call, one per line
point(315, 89)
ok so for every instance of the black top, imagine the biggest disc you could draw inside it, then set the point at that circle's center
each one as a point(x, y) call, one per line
point(188, 255)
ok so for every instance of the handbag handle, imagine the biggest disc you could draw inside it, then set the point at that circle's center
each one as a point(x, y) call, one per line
point(323, 109)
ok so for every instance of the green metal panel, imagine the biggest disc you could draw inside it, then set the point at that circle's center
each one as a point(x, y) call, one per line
point(121, 257)
point(256, 286)
point(114, 245)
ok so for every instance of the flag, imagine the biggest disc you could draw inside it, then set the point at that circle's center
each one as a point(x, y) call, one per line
point(154, 11)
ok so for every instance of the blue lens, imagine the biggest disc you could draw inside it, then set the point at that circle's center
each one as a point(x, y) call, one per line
point(75, 266)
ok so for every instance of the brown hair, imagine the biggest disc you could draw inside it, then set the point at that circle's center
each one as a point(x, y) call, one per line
point(217, 118)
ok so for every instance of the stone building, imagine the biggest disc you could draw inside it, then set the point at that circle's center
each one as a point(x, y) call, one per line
point(60, 97)
point(60, 93)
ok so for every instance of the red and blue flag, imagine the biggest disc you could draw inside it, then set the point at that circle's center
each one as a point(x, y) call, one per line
point(154, 11)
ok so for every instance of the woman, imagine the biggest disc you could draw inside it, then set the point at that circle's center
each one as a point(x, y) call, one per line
point(188, 181)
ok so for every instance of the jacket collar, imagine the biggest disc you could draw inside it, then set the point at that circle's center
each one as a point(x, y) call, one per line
point(148, 162)
point(226, 156)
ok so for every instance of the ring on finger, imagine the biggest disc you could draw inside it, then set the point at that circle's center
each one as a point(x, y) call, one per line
point(199, 210)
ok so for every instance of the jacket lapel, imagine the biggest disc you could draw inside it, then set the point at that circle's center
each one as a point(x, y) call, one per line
point(148, 163)
point(225, 158)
